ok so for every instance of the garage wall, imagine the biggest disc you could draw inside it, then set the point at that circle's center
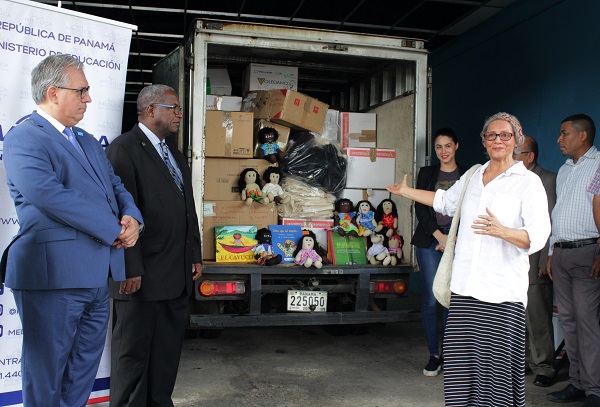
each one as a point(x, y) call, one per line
point(536, 59)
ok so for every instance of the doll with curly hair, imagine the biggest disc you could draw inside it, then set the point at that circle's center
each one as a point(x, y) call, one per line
point(269, 149)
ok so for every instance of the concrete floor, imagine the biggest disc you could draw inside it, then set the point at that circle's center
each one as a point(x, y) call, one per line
point(306, 366)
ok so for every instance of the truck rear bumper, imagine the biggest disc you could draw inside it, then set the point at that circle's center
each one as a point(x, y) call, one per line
point(289, 319)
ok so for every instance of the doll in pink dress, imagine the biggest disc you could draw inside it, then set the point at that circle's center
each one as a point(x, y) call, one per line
point(306, 255)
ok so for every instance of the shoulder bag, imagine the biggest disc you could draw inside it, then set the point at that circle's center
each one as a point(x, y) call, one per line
point(441, 282)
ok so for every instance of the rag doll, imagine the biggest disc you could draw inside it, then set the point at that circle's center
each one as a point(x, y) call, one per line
point(378, 253)
point(263, 251)
point(387, 217)
point(343, 220)
point(249, 184)
point(269, 149)
point(365, 218)
point(395, 243)
point(305, 254)
point(272, 190)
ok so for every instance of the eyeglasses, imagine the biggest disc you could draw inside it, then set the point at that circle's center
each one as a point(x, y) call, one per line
point(176, 109)
point(83, 91)
point(492, 136)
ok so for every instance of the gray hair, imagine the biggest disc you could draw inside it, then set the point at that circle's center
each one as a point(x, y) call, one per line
point(514, 123)
point(151, 94)
point(52, 71)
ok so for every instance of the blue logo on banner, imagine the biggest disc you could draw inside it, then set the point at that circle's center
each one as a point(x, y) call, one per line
point(1, 309)
point(1, 289)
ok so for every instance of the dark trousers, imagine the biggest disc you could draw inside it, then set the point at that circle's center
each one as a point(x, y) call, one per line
point(540, 329)
point(146, 347)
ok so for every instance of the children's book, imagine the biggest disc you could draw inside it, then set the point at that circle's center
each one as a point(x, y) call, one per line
point(285, 239)
point(235, 243)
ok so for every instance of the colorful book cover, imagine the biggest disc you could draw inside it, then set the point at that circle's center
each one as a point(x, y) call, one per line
point(346, 250)
point(235, 243)
point(285, 239)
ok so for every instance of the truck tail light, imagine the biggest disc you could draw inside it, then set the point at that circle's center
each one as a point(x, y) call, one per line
point(388, 287)
point(208, 288)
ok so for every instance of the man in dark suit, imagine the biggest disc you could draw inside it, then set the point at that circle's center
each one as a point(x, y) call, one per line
point(75, 216)
point(539, 295)
point(151, 307)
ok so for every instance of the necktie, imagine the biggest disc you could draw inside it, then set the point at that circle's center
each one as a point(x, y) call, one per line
point(165, 154)
point(73, 140)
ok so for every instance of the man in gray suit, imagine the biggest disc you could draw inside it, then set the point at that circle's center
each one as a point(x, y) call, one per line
point(539, 301)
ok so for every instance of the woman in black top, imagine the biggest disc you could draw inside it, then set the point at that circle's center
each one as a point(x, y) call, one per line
point(431, 235)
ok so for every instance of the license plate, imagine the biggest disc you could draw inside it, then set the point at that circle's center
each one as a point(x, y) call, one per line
point(305, 300)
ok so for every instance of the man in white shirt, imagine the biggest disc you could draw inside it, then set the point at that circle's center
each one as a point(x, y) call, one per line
point(573, 249)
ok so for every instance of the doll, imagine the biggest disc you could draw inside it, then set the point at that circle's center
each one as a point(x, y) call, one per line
point(387, 217)
point(263, 251)
point(305, 254)
point(395, 243)
point(269, 149)
point(343, 220)
point(365, 218)
point(249, 184)
point(272, 189)
point(378, 253)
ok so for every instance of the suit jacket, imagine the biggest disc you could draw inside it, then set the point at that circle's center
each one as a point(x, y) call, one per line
point(427, 179)
point(164, 254)
point(69, 210)
point(540, 258)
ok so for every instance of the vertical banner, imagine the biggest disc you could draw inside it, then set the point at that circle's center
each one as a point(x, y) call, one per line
point(29, 32)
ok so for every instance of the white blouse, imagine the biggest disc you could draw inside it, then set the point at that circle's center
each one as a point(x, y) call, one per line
point(485, 267)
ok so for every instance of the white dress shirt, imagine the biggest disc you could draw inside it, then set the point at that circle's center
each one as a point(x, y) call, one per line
point(485, 267)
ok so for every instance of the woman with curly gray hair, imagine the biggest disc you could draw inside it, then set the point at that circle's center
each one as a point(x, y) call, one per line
point(504, 219)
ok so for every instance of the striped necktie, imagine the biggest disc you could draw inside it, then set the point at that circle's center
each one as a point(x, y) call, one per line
point(165, 155)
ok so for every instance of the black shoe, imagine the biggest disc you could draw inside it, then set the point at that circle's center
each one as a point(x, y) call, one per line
point(542, 381)
point(433, 367)
point(566, 395)
point(592, 401)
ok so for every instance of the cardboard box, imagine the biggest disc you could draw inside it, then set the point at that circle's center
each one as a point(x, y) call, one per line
point(217, 80)
point(234, 244)
point(284, 134)
point(221, 176)
point(285, 240)
point(265, 77)
point(346, 250)
point(228, 134)
point(370, 168)
point(375, 196)
point(227, 103)
point(227, 213)
point(358, 130)
point(289, 108)
point(318, 226)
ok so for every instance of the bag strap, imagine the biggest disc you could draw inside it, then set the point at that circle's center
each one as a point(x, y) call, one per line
point(455, 220)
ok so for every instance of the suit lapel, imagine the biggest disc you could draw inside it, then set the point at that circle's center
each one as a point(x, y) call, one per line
point(157, 159)
point(57, 136)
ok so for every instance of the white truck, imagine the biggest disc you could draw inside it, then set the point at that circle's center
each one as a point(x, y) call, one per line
point(350, 72)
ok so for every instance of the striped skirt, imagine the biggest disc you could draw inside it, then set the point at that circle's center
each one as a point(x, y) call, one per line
point(484, 354)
